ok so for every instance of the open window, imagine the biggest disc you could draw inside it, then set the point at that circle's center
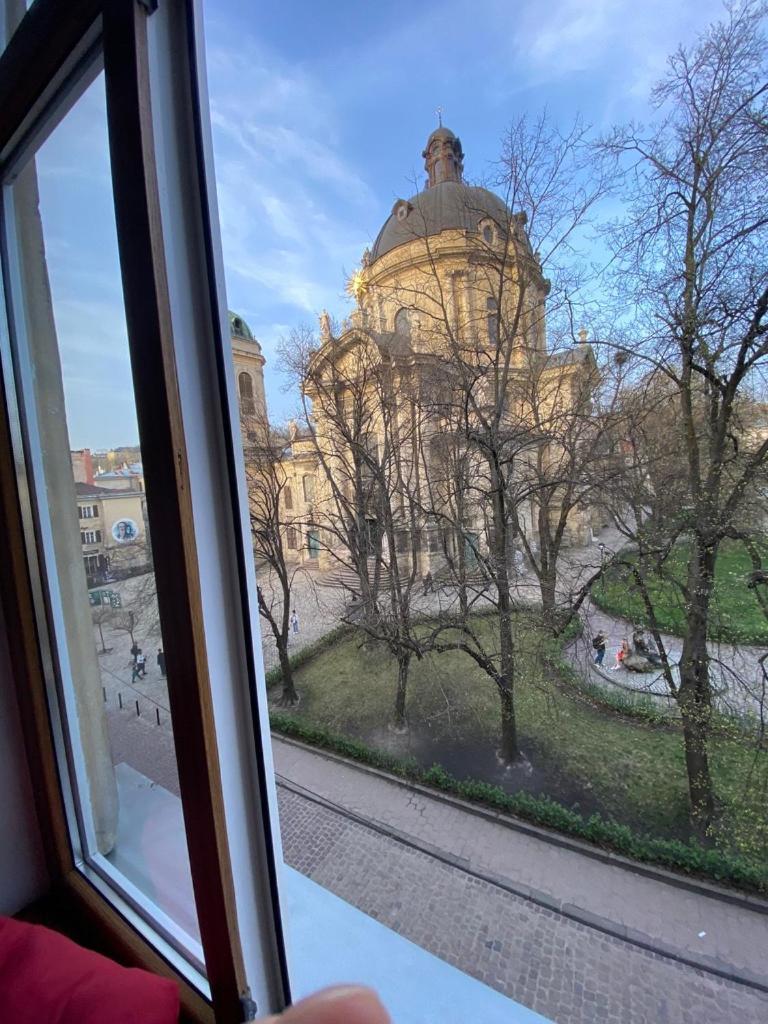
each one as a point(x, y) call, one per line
point(110, 298)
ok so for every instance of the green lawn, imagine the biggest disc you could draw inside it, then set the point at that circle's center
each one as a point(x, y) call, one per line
point(736, 614)
point(582, 756)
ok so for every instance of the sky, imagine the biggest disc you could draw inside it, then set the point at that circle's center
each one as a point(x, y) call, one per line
point(320, 113)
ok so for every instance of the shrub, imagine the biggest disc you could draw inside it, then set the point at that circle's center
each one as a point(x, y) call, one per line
point(689, 857)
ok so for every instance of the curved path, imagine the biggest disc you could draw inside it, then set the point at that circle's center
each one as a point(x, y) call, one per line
point(739, 675)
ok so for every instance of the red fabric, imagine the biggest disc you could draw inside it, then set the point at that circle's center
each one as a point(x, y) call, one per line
point(45, 978)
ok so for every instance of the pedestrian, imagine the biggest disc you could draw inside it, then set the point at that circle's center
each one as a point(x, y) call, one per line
point(141, 663)
point(161, 661)
point(427, 582)
point(599, 643)
point(294, 621)
point(134, 673)
point(134, 651)
point(621, 654)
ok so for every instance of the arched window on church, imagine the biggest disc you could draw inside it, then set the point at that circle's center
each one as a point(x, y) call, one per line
point(246, 394)
point(492, 316)
point(403, 323)
point(288, 497)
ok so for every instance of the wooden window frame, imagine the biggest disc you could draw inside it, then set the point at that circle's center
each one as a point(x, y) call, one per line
point(45, 51)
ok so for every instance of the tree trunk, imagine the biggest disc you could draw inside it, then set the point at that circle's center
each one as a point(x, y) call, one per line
point(694, 695)
point(695, 735)
point(509, 752)
point(509, 749)
point(548, 585)
point(403, 665)
point(289, 697)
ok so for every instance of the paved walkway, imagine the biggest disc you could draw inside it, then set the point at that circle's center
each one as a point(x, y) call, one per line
point(738, 678)
point(318, 609)
point(471, 890)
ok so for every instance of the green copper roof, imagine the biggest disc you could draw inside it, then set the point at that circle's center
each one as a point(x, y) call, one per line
point(238, 328)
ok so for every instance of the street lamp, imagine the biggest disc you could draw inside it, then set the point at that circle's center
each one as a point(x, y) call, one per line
point(602, 568)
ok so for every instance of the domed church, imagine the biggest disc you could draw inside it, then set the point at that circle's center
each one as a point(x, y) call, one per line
point(449, 307)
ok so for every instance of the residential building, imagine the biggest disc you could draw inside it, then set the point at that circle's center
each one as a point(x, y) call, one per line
point(113, 532)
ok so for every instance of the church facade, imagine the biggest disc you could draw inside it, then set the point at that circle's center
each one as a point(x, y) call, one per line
point(447, 340)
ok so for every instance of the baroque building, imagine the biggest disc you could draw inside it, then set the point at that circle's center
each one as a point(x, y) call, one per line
point(448, 336)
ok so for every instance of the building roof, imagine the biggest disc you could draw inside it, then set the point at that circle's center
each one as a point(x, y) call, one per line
point(135, 469)
point(91, 490)
point(94, 491)
point(238, 328)
point(441, 132)
point(445, 206)
point(570, 356)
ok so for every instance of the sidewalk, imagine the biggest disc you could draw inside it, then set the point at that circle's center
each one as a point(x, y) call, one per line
point(703, 930)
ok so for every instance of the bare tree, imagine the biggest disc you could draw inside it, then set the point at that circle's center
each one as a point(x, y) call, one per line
point(363, 418)
point(124, 621)
point(690, 259)
point(499, 406)
point(102, 616)
point(265, 450)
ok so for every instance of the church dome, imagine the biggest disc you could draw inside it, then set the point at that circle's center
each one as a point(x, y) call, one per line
point(445, 206)
point(446, 203)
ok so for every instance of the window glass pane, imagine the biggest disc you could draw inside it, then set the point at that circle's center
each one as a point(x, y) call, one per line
point(84, 462)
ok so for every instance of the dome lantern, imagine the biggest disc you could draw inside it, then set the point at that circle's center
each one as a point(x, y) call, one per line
point(443, 157)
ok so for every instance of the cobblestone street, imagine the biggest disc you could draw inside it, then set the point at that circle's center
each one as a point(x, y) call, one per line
point(564, 970)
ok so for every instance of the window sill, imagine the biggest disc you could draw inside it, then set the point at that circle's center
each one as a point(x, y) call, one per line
point(328, 940)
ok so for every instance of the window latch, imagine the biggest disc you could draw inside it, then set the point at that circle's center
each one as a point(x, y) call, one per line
point(248, 1007)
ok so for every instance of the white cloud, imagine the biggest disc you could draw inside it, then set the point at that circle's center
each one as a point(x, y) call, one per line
point(291, 208)
point(623, 38)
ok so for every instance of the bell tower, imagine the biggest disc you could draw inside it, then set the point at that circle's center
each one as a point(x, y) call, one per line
point(249, 369)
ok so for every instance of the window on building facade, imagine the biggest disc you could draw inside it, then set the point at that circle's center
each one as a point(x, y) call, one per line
point(403, 323)
point(288, 497)
point(292, 539)
point(245, 383)
point(308, 485)
point(492, 320)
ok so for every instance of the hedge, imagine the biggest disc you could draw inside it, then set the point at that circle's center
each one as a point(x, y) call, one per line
point(689, 857)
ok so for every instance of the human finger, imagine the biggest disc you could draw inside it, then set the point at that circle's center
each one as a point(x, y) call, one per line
point(343, 1004)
